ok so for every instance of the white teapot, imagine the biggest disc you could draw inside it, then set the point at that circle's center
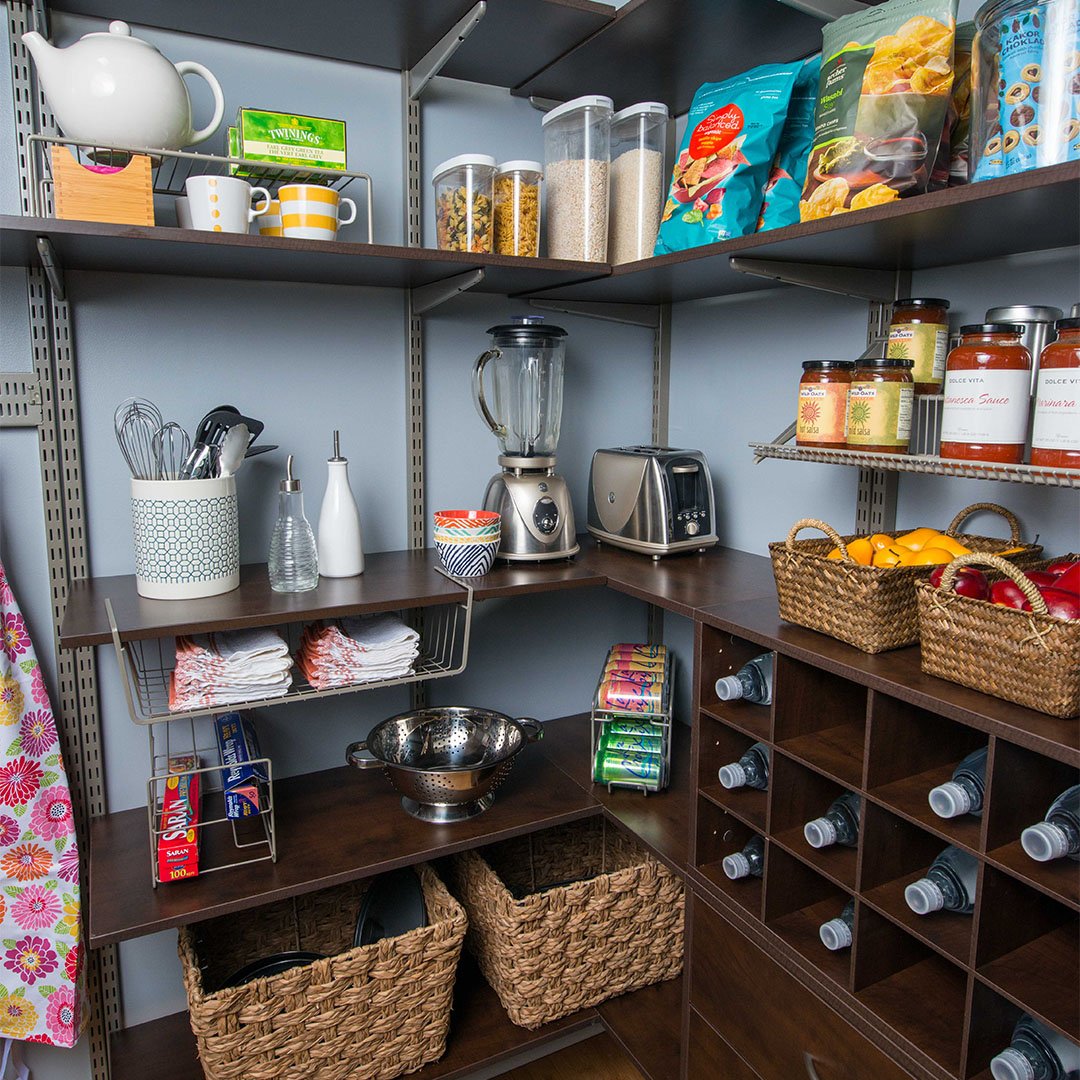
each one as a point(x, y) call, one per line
point(117, 90)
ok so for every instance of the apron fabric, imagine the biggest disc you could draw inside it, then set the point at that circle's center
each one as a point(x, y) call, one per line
point(42, 988)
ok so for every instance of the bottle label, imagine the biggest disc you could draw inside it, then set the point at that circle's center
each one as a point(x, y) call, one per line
point(1057, 410)
point(925, 343)
point(822, 413)
point(986, 406)
point(879, 414)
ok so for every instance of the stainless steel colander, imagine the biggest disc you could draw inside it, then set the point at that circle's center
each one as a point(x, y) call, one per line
point(446, 762)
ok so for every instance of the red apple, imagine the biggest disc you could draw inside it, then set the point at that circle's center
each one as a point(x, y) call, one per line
point(968, 582)
point(1043, 578)
point(1008, 594)
point(1069, 581)
point(1061, 566)
point(1061, 604)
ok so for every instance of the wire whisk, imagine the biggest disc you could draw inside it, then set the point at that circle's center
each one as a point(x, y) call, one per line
point(136, 423)
point(171, 449)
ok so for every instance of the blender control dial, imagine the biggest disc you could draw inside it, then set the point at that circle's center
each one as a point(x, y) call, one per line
point(546, 515)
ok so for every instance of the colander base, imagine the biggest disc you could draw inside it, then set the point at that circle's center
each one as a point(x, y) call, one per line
point(441, 813)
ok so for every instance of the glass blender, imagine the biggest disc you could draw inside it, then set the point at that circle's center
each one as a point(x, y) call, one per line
point(524, 412)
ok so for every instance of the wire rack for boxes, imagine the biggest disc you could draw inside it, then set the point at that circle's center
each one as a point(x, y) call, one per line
point(171, 168)
point(603, 719)
point(223, 842)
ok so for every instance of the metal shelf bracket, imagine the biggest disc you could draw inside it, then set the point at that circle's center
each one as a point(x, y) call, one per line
point(427, 297)
point(859, 282)
point(826, 9)
point(50, 263)
point(20, 400)
point(647, 315)
point(433, 62)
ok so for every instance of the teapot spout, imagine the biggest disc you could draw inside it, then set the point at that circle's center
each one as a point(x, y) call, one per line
point(46, 59)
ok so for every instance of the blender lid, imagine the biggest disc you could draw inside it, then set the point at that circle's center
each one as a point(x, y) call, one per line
point(527, 330)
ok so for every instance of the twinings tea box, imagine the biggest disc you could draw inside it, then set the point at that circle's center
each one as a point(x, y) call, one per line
point(288, 139)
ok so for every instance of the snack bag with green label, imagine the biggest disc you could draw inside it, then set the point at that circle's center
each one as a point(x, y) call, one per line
point(886, 77)
point(732, 132)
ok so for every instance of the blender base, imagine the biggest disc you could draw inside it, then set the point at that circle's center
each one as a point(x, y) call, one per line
point(537, 515)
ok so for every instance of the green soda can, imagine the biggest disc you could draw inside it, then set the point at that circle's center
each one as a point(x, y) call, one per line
point(627, 767)
point(637, 744)
point(632, 727)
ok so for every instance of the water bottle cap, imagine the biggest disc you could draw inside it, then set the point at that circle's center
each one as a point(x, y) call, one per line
point(1010, 1064)
point(835, 934)
point(736, 866)
point(1045, 841)
point(820, 832)
point(924, 896)
point(729, 688)
point(950, 800)
point(733, 775)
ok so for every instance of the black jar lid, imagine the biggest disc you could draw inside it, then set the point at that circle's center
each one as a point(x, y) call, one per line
point(879, 363)
point(922, 302)
point(1061, 324)
point(992, 328)
point(831, 365)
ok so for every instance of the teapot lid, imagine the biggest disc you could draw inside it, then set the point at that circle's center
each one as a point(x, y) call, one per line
point(117, 29)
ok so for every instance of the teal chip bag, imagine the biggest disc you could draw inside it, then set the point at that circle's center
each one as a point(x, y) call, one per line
point(783, 189)
point(732, 133)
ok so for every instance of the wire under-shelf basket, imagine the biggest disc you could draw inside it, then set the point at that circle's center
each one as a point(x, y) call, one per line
point(147, 665)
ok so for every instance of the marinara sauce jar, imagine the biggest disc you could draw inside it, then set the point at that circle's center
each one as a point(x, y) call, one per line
point(1055, 441)
point(823, 400)
point(880, 404)
point(987, 395)
point(919, 332)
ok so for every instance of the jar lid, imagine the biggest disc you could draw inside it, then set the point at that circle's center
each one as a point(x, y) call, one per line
point(519, 166)
point(1067, 324)
point(922, 302)
point(589, 101)
point(884, 362)
point(460, 162)
point(1023, 313)
point(642, 108)
point(828, 365)
point(992, 328)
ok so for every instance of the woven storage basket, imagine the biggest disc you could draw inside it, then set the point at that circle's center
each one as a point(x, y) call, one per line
point(1027, 657)
point(370, 1013)
point(560, 949)
point(870, 607)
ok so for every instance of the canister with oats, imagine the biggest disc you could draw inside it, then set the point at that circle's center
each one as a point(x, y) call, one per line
point(517, 208)
point(464, 197)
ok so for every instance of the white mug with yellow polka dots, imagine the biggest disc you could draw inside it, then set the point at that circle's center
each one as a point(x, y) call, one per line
point(223, 203)
point(312, 212)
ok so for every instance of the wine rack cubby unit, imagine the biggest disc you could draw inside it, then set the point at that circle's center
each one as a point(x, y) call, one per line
point(944, 990)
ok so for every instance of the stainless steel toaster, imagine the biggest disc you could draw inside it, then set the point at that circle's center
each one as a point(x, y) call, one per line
point(652, 499)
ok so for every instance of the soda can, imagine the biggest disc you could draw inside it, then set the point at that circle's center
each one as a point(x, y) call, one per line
point(630, 727)
point(636, 744)
point(640, 652)
point(620, 696)
point(619, 767)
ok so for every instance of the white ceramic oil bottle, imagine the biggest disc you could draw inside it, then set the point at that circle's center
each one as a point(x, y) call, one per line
point(341, 552)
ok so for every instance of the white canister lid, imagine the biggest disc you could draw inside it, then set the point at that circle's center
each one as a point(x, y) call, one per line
point(642, 108)
point(519, 166)
point(460, 162)
point(589, 101)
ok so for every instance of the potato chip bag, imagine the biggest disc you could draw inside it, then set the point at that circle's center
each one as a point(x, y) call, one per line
point(781, 198)
point(732, 132)
point(884, 90)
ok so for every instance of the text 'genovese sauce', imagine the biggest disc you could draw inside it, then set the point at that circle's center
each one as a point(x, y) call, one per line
point(1055, 440)
point(987, 395)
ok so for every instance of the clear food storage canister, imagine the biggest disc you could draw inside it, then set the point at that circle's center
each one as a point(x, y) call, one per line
point(464, 193)
point(517, 208)
point(1025, 68)
point(638, 137)
point(577, 154)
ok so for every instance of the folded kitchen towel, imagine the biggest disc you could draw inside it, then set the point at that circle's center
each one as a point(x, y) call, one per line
point(228, 668)
point(357, 650)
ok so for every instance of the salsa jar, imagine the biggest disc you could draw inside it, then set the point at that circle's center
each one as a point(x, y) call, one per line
point(823, 400)
point(880, 404)
point(919, 331)
point(1055, 440)
point(987, 395)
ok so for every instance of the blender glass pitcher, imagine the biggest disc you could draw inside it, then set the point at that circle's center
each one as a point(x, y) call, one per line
point(527, 360)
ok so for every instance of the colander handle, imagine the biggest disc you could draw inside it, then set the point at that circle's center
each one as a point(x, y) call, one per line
point(351, 758)
point(534, 730)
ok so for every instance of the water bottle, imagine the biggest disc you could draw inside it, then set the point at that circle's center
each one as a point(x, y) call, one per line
point(949, 884)
point(1037, 1053)
point(750, 862)
point(751, 770)
point(840, 825)
point(294, 562)
point(752, 682)
point(963, 794)
point(836, 933)
point(1059, 834)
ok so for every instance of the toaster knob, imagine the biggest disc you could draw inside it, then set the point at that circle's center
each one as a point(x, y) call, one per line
point(692, 528)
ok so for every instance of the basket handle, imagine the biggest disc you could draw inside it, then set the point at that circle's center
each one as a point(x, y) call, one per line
point(1026, 586)
point(995, 508)
point(821, 526)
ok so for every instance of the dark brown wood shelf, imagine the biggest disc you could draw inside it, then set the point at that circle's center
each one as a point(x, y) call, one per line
point(747, 804)
point(800, 929)
point(647, 1024)
point(745, 893)
point(837, 752)
point(908, 798)
point(752, 720)
point(838, 863)
point(1059, 878)
point(945, 931)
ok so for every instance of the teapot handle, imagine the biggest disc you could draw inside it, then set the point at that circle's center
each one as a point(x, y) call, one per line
point(189, 67)
point(478, 392)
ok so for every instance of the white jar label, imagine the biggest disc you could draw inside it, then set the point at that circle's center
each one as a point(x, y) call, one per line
point(986, 406)
point(1057, 410)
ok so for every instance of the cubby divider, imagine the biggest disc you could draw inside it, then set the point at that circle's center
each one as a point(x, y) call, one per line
point(992, 1021)
point(720, 834)
point(721, 745)
point(722, 654)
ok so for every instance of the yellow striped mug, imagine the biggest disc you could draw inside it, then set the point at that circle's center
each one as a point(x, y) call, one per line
point(311, 212)
point(270, 222)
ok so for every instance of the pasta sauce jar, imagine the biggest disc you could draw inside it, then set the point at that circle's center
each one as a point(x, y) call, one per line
point(1055, 441)
point(919, 331)
point(987, 395)
point(823, 399)
point(880, 404)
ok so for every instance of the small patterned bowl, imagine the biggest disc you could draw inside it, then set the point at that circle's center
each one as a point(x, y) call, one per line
point(468, 559)
point(466, 520)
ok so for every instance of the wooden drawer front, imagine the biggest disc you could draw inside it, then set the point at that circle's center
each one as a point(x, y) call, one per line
point(710, 1057)
point(768, 1016)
